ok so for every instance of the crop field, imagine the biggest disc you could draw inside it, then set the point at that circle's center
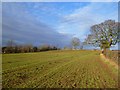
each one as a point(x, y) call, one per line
point(58, 69)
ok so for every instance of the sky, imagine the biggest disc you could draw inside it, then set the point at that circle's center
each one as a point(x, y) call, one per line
point(60, 0)
point(53, 23)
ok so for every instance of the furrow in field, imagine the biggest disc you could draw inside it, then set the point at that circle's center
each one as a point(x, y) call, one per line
point(35, 80)
point(27, 70)
point(30, 71)
point(80, 76)
point(61, 69)
point(57, 70)
point(67, 75)
point(28, 61)
point(31, 63)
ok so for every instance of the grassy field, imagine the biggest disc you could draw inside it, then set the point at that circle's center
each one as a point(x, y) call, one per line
point(58, 69)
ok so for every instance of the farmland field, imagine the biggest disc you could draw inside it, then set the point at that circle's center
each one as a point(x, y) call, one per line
point(58, 69)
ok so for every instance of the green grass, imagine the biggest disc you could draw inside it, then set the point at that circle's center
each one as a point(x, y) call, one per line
point(57, 69)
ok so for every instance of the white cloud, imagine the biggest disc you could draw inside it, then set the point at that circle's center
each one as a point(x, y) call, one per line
point(81, 19)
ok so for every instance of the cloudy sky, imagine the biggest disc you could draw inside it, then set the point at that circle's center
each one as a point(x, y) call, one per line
point(53, 23)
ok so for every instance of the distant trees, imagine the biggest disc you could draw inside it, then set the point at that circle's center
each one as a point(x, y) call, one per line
point(104, 35)
point(75, 42)
point(47, 47)
point(11, 47)
point(35, 49)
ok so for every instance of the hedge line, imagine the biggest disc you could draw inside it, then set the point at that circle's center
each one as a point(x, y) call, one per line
point(114, 55)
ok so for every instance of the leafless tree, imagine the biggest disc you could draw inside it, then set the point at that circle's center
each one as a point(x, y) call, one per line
point(104, 35)
point(75, 42)
point(10, 46)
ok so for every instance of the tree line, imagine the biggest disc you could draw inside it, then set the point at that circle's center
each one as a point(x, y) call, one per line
point(11, 47)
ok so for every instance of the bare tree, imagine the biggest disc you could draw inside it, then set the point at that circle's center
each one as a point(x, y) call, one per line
point(10, 46)
point(10, 43)
point(104, 35)
point(75, 42)
point(27, 48)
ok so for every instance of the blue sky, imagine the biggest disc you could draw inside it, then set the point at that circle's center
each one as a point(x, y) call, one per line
point(53, 23)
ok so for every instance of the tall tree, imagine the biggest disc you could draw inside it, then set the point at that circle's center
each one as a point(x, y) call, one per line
point(104, 35)
point(75, 42)
point(10, 46)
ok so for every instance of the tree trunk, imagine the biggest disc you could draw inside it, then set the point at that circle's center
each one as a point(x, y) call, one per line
point(105, 51)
